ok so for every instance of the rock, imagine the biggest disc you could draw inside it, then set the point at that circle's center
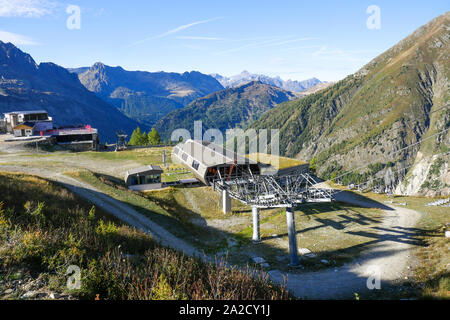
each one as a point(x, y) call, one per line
point(324, 261)
point(275, 274)
point(29, 295)
point(258, 260)
point(8, 291)
point(306, 253)
point(447, 234)
point(29, 286)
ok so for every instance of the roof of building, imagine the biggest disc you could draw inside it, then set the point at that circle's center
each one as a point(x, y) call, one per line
point(26, 112)
point(188, 181)
point(145, 169)
point(25, 125)
point(211, 154)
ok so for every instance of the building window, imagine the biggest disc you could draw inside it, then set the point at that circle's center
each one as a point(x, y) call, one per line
point(195, 165)
point(184, 156)
point(175, 150)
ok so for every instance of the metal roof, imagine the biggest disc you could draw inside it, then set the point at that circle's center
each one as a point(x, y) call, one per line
point(145, 169)
point(186, 181)
point(26, 112)
point(206, 160)
point(211, 154)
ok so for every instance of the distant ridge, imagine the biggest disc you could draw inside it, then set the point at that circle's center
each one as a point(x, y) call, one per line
point(145, 96)
point(245, 77)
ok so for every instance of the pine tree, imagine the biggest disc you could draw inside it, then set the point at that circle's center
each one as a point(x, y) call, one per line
point(313, 166)
point(138, 138)
point(153, 138)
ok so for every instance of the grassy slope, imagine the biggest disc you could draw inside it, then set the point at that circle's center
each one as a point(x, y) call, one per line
point(364, 118)
point(316, 223)
point(194, 214)
point(46, 228)
point(278, 161)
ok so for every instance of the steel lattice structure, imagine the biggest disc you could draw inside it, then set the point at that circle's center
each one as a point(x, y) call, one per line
point(273, 190)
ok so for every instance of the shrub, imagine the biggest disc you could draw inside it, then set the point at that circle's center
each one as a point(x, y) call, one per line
point(116, 261)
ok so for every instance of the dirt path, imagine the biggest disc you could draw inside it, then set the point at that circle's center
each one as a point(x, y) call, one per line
point(111, 205)
point(389, 251)
point(388, 255)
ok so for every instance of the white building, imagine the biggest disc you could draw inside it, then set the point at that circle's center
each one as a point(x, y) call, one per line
point(28, 123)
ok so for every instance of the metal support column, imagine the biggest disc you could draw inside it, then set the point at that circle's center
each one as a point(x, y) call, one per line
point(256, 234)
point(292, 234)
point(226, 202)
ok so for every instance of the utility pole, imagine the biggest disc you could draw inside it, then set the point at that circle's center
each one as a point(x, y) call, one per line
point(292, 235)
point(256, 230)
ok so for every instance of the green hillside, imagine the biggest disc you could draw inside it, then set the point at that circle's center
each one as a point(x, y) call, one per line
point(394, 101)
point(229, 108)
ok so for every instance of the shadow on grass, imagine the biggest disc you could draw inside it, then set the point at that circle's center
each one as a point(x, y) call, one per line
point(211, 240)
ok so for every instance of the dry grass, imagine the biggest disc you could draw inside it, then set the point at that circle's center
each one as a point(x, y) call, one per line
point(276, 161)
point(46, 228)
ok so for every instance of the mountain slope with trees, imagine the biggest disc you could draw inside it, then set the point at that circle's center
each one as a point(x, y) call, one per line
point(397, 100)
point(229, 108)
point(145, 96)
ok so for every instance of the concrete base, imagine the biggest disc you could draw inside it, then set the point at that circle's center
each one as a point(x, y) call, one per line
point(226, 202)
point(256, 231)
point(292, 235)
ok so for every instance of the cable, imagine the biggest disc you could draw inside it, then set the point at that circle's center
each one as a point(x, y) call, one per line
point(395, 152)
point(440, 109)
point(439, 154)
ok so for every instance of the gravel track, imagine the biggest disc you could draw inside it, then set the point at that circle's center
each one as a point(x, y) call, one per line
point(389, 251)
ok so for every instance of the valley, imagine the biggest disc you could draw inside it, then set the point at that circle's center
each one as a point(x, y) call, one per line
point(330, 190)
point(180, 218)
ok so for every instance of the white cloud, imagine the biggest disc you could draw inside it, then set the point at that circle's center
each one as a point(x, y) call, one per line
point(177, 29)
point(16, 39)
point(26, 8)
point(271, 42)
point(200, 38)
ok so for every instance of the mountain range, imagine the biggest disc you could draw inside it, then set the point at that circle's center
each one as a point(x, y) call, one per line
point(225, 109)
point(389, 121)
point(386, 125)
point(245, 77)
point(25, 85)
point(145, 96)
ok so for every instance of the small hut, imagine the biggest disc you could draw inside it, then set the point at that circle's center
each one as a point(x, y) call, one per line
point(144, 178)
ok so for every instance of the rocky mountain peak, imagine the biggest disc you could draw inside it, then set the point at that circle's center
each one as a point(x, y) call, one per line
point(15, 61)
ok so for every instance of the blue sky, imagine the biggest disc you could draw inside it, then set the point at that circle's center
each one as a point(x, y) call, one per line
point(292, 39)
